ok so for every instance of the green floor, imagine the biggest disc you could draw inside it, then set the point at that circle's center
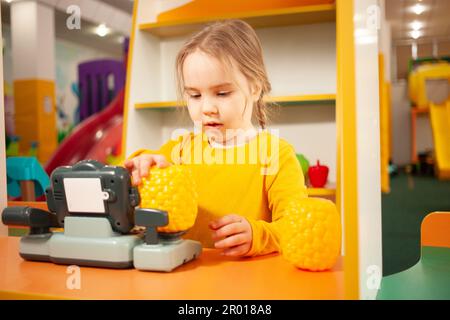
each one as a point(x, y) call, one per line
point(404, 208)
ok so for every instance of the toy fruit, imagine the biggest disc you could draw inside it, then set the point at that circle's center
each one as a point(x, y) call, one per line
point(318, 175)
point(311, 234)
point(304, 163)
point(171, 189)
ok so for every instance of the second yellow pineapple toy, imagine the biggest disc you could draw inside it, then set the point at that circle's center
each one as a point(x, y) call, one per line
point(311, 234)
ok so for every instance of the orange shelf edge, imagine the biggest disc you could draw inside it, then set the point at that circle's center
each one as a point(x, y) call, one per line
point(242, 15)
point(258, 19)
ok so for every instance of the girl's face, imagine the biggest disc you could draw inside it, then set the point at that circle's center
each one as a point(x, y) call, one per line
point(218, 99)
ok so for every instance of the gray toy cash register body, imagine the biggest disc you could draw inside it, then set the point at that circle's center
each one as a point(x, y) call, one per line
point(96, 206)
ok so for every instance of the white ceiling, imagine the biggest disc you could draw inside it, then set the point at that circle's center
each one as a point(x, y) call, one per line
point(86, 36)
point(97, 12)
point(436, 18)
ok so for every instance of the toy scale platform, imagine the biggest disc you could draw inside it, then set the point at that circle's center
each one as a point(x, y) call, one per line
point(96, 206)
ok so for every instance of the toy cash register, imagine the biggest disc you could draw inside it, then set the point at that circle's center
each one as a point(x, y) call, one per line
point(95, 204)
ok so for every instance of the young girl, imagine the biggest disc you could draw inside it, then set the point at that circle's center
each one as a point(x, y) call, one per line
point(245, 177)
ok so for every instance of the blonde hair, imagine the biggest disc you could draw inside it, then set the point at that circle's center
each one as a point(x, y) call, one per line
point(231, 41)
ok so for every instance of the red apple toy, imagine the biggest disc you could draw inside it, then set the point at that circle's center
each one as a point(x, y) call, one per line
point(318, 175)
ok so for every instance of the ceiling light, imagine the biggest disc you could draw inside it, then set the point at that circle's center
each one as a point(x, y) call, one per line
point(416, 34)
point(102, 30)
point(416, 25)
point(418, 9)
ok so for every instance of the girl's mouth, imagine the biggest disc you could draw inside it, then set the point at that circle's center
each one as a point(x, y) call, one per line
point(213, 125)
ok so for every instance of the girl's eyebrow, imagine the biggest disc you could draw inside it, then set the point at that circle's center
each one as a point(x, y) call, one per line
point(212, 87)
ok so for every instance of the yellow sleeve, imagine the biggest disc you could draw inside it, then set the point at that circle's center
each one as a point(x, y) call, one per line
point(287, 185)
point(170, 150)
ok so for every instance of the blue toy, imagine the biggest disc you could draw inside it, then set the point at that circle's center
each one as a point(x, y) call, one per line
point(25, 169)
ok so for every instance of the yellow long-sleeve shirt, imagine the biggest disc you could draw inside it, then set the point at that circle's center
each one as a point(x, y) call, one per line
point(256, 180)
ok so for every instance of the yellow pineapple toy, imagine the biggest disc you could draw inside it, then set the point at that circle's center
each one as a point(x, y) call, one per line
point(311, 234)
point(171, 189)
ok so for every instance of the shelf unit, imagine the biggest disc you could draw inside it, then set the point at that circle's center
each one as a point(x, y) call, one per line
point(327, 191)
point(311, 55)
point(147, 107)
point(158, 39)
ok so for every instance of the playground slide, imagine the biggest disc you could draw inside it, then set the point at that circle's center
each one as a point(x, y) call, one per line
point(440, 123)
point(94, 138)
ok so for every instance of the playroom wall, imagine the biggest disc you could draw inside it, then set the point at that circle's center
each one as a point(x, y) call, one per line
point(401, 124)
point(67, 55)
point(303, 61)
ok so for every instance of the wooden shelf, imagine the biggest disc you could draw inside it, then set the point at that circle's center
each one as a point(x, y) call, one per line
point(311, 99)
point(327, 190)
point(314, 99)
point(158, 105)
point(258, 19)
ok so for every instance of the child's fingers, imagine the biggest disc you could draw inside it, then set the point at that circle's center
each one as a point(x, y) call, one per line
point(161, 161)
point(144, 164)
point(237, 251)
point(230, 218)
point(128, 164)
point(227, 230)
point(231, 241)
point(135, 175)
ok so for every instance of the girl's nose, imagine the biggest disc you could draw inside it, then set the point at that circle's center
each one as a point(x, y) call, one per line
point(209, 106)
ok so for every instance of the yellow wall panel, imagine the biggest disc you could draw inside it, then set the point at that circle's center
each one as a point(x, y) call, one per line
point(35, 116)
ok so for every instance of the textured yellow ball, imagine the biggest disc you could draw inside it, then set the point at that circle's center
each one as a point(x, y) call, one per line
point(311, 234)
point(171, 189)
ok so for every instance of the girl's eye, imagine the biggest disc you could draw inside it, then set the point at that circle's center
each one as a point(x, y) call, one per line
point(223, 93)
point(195, 96)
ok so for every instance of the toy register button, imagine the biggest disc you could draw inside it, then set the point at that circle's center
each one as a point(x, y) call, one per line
point(108, 195)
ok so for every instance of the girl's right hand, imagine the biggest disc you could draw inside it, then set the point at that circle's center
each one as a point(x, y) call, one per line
point(139, 166)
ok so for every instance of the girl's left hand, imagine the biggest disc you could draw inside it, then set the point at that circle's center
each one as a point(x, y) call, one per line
point(233, 233)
